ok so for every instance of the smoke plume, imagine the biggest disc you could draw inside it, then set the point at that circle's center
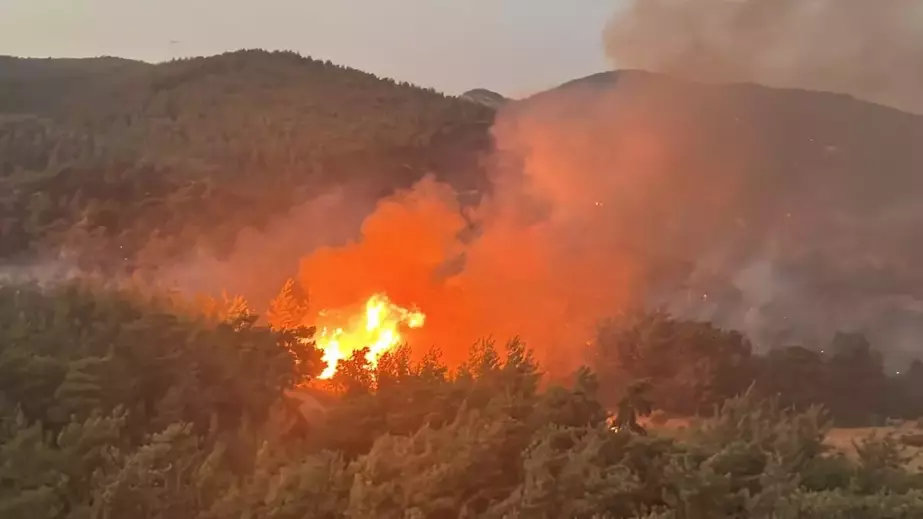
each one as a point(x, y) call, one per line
point(636, 189)
point(870, 49)
point(589, 193)
point(262, 259)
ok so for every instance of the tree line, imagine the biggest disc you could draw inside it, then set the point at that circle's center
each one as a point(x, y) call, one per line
point(120, 404)
point(694, 366)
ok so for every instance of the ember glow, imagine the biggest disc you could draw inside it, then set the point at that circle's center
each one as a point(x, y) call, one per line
point(378, 328)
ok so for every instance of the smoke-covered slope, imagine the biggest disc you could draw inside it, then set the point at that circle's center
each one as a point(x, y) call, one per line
point(787, 213)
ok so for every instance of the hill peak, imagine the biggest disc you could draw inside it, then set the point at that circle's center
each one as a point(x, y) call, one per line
point(485, 97)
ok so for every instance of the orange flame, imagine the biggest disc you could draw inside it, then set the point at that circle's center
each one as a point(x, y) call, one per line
point(378, 330)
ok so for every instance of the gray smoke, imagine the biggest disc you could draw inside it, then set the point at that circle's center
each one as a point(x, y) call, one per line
point(871, 49)
point(43, 273)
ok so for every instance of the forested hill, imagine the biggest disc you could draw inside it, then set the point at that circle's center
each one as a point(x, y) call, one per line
point(100, 155)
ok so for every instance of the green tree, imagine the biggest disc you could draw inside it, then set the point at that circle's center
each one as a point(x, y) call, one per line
point(798, 376)
point(691, 366)
point(632, 406)
point(857, 381)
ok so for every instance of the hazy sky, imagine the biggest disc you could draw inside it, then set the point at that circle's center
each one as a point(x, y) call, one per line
point(511, 46)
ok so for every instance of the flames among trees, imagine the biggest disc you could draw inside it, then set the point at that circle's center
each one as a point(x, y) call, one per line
point(374, 327)
point(547, 298)
point(376, 330)
point(114, 405)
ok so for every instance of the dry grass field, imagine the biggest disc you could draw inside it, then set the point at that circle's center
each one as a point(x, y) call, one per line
point(909, 434)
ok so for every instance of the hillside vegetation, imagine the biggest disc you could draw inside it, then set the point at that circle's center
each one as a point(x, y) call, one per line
point(154, 414)
point(106, 157)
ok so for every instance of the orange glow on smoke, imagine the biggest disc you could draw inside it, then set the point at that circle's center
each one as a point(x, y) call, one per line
point(546, 282)
point(378, 328)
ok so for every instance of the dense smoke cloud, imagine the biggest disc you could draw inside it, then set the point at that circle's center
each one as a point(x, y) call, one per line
point(547, 254)
point(587, 195)
point(871, 49)
point(262, 259)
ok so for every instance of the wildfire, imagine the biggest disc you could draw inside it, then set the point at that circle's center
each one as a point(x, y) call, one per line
point(378, 329)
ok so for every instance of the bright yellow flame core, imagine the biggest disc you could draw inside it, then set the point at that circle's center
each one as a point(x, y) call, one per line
point(378, 330)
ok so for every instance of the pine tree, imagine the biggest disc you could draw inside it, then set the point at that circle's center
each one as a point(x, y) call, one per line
point(82, 389)
point(287, 310)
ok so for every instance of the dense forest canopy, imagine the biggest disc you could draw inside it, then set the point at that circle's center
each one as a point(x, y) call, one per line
point(152, 412)
point(763, 211)
point(106, 156)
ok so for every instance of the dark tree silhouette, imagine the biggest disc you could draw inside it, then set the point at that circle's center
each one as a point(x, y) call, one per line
point(634, 405)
